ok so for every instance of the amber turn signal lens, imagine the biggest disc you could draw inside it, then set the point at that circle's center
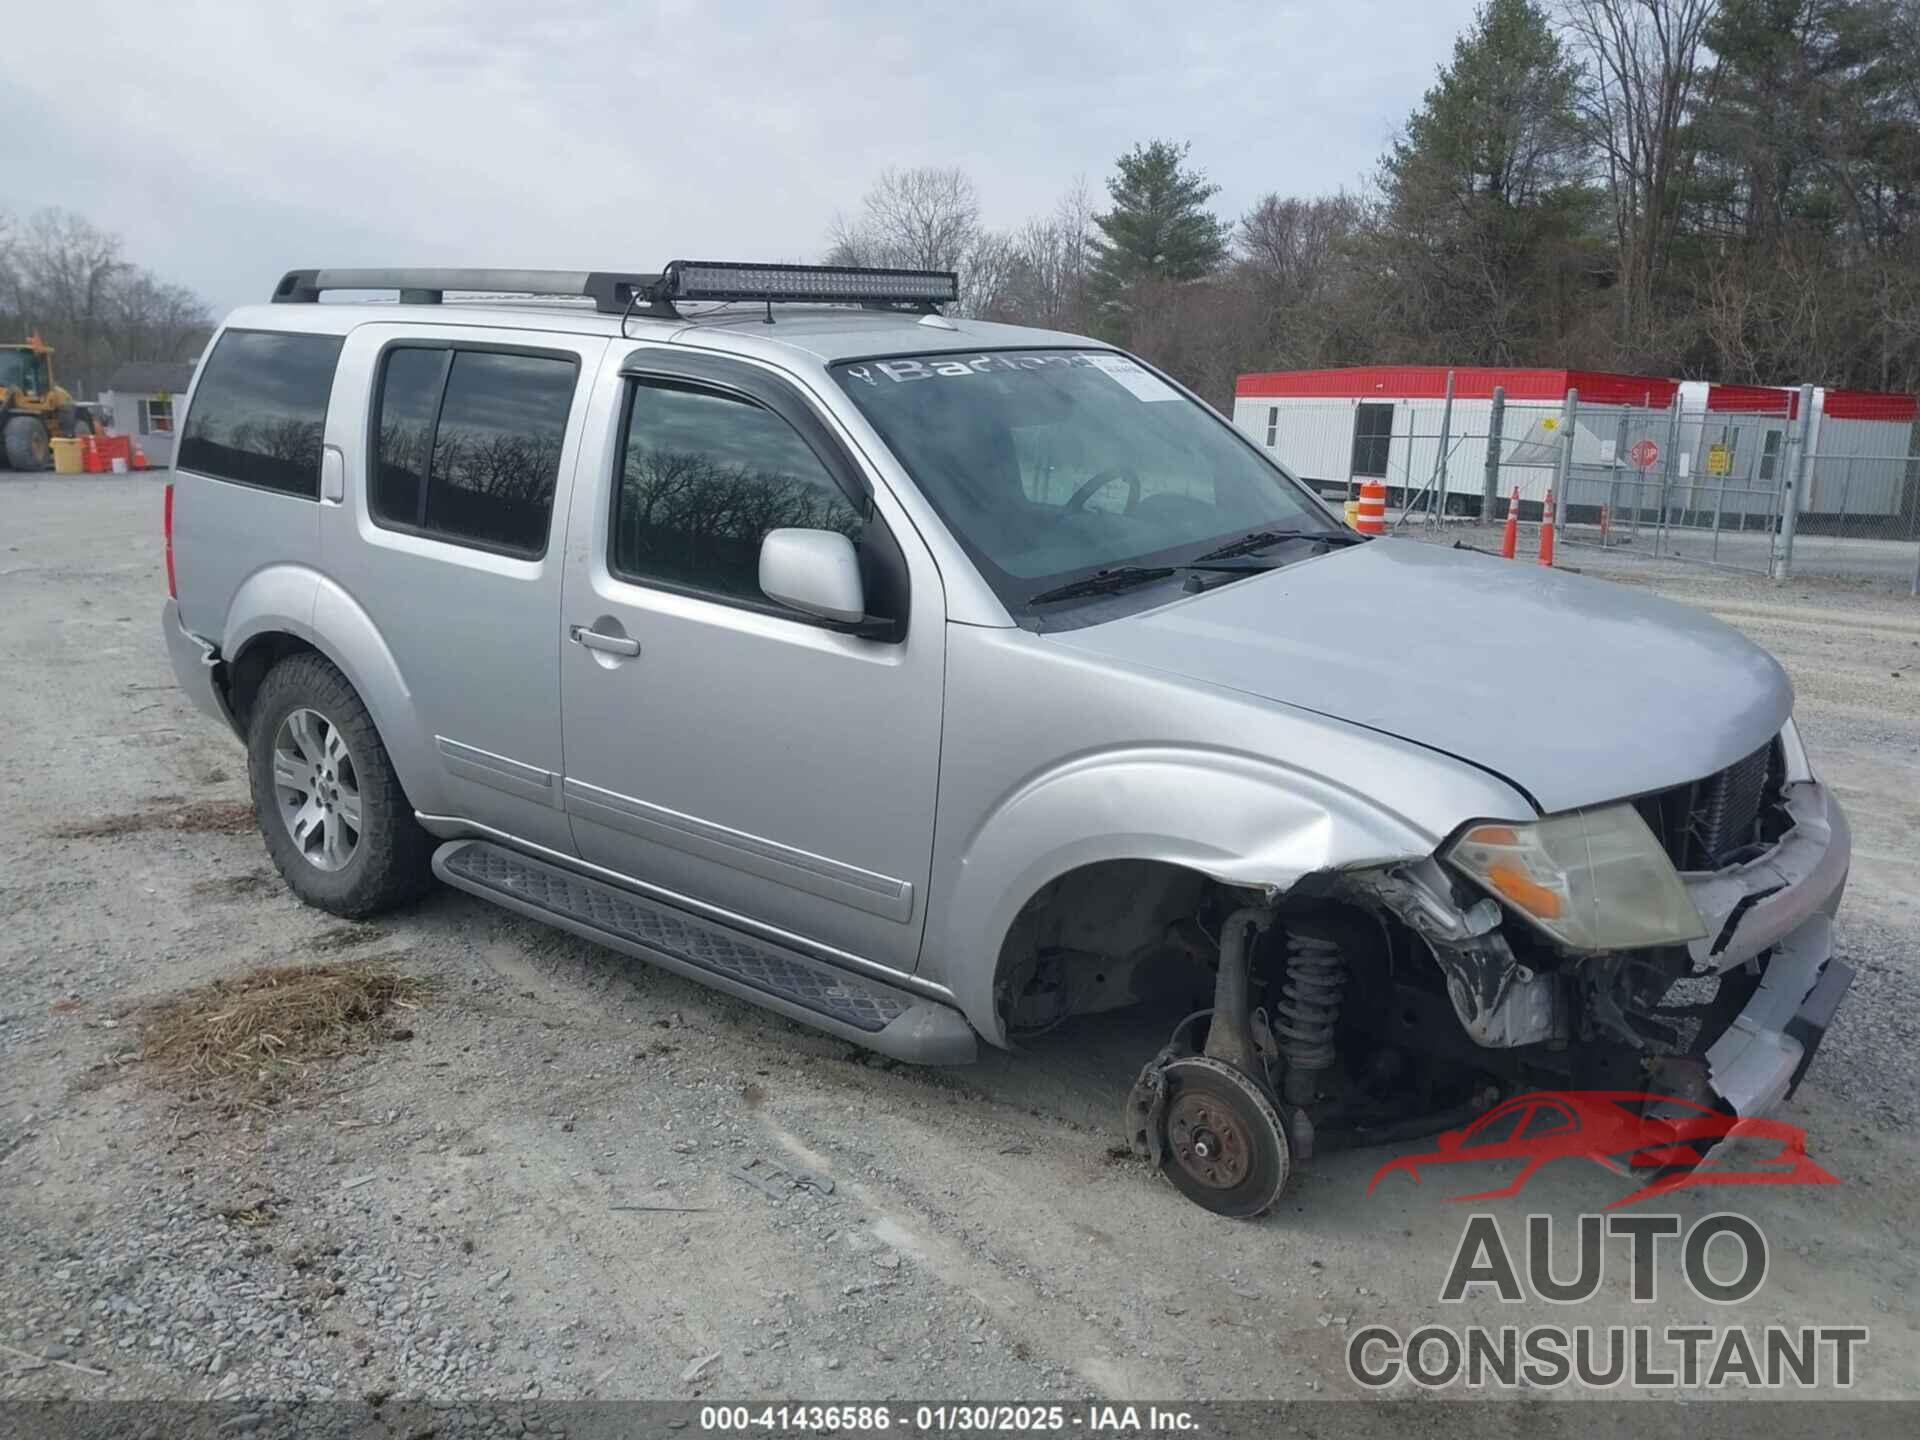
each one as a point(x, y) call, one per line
point(1523, 890)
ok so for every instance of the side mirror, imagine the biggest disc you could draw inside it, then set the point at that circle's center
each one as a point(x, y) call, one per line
point(1449, 1140)
point(815, 571)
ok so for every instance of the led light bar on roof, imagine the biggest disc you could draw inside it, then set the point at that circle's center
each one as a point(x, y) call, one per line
point(825, 284)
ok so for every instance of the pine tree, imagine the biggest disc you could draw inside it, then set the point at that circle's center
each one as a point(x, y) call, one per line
point(1484, 213)
point(1159, 227)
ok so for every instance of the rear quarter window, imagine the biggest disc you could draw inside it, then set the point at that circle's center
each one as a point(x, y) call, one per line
point(260, 411)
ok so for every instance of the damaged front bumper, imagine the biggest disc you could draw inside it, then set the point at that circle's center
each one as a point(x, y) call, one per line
point(1777, 910)
point(1774, 912)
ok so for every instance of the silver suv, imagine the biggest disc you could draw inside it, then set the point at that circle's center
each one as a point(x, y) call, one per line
point(927, 680)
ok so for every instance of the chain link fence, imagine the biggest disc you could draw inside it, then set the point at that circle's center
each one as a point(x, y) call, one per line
point(1777, 486)
point(1771, 490)
point(1700, 485)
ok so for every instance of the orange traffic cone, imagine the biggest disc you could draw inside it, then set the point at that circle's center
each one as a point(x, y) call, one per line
point(90, 460)
point(139, 458)
point(1510, 537)
point(1546, 531)
point(1370, 515)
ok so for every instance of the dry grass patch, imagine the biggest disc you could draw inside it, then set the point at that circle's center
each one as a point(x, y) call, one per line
point(251, 1036)
point(218, 817)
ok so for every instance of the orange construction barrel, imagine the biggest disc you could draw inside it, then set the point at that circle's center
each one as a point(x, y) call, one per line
point(1370, 512)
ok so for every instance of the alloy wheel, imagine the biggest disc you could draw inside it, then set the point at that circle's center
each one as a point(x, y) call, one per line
point(317, 786)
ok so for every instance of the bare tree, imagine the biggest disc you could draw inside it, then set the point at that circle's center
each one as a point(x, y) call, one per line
point(67, 267)
point(64, 277)
point(924, 219)
point(1643, 74)
point(928, 218)
point(1048, 263)
point(1292, 245)
point(1295, 272)
point(9, 275)
point(987, 270)
point(153, 320)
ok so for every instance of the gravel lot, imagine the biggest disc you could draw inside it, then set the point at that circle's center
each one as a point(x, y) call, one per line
point(441, 1216)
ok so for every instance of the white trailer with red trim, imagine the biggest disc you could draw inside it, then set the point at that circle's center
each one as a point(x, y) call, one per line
point(1701, 446)
point(1863, 455)
point(1737, 439)
point(1336, 428)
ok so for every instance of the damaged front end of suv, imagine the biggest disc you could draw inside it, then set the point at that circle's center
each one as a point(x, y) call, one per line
point(1676, 944)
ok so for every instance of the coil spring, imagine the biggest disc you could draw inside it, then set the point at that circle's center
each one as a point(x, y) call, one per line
point(1309, 1003)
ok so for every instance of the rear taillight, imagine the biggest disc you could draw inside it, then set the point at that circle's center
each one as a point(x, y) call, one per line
point(173, 590)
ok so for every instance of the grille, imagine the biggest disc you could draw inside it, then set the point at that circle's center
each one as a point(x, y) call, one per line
point(1706, 824)
point(1726, 806)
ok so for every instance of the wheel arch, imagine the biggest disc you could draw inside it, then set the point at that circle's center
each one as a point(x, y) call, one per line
point(336, 628)
point(1224, 817)
point(1087, 935)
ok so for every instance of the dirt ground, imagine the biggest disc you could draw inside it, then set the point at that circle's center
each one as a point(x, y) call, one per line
point(472, 1210)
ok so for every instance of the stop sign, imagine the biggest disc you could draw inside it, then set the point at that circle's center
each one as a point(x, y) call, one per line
point(1645, 454)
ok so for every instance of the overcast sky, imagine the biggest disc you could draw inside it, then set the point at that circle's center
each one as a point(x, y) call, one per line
point(228, 142)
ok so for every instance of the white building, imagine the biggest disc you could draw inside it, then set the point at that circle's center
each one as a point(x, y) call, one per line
point(145, 399)
point(1705, 445)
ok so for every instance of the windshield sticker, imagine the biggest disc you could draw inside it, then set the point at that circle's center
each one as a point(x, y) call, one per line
point(1138, 381)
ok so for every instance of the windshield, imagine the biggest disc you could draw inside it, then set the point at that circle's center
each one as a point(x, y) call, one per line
point(1051, 465)
point(15, 368)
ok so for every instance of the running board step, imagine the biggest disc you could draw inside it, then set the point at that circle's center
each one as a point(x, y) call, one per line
point(868, 1012)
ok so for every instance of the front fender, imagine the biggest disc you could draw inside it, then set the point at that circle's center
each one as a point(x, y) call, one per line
point(1239, 819)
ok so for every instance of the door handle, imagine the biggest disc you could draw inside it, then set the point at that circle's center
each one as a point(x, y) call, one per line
point(611, 644)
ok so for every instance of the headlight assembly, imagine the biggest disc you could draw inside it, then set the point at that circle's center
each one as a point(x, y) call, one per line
point(1591, 879)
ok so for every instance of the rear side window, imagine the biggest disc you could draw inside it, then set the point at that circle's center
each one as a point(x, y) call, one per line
point(467, 444)
point(261, 409)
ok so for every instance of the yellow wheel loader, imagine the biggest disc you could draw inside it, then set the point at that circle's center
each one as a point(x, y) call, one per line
point(33, 409)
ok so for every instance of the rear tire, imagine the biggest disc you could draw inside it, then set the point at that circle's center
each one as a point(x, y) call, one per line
point(336, 822)
point(27, 447)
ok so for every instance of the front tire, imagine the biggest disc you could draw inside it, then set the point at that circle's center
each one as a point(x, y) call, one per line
point(335, 820)
point(27, 446)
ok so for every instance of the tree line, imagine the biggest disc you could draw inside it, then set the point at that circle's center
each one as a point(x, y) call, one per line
point(66, 279)
point(1724, 189)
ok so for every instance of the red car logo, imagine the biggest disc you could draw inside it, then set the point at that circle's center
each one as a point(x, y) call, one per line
point(1668, 1142)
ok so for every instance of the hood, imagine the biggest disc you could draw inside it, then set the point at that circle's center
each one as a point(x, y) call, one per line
point(1578, 691)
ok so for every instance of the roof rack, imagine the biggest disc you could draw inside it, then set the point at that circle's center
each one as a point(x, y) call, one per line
point(612, 291)
point(623, 293)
